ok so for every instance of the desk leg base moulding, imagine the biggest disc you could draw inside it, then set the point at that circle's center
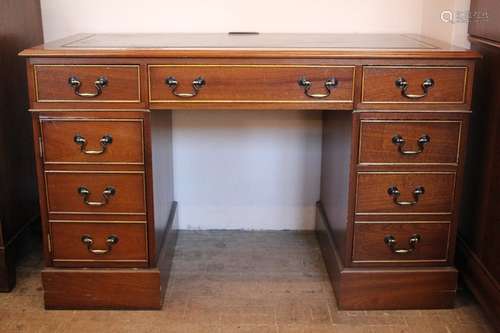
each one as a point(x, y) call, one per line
point(101, 288)
point(384, 288)
point(107, 288)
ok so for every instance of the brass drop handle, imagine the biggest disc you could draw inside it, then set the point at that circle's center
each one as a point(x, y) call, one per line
point(89, 242)
point(391, 242)
point(402, 84)
point(100, 83)
point(399, 141)
point(329, 85)
point(197, 84)
point(106, 194)
point(394, 192)
point(82, 142)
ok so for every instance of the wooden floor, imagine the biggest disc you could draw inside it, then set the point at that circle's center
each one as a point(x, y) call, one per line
point(234, 281)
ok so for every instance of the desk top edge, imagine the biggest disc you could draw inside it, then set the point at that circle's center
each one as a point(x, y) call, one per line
point(265, 45)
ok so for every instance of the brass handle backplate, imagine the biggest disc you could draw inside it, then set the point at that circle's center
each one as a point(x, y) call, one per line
point(391, 242)
point(394, 192)
point(329, 85)
point(82, 142)
point(99, 84)
point(89, 242)
point(197, 84)
point(402, 84)
point(106, 194)
point(399, 141)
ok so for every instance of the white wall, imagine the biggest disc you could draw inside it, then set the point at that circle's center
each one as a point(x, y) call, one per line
point(247, 169)
point(250, 170)
point(63, 17)
point(442, 19)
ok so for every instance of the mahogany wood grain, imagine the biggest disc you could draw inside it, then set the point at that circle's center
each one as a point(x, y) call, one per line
point(63, 196)
point(72, 216)
point(339, 135)
point(270, 84)
point(479, 280)
point(52, 82)
point(20, 27)
point(384, 288)
point(266, 45)
point(450, 84)
point(241, 104)
point(369, 245)
point(404, 288)
point(376, 144)
point(372, 193)
point(104, 288)
point(49, 86)
point(262, 72)
point(69, 250)
point(89, 288)
point(165, 257)
point(42, 193)
point(59, 146)
point(479, 229)
point(484, 20)
point(160, 177)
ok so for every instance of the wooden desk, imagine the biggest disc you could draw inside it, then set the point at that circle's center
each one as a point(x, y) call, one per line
point(396, 112)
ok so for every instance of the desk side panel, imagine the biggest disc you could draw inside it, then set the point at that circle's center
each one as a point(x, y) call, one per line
point(336, 175)
point(160, 147)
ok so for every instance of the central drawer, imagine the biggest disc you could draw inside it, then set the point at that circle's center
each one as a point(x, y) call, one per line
point(274, 84)
point(70, 192)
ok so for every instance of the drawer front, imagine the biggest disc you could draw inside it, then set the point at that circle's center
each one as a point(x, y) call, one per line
point(98, 242)
point(409, 142)
point(419, 193)
point(82, 141)
point(87, 83)
point(247, 83)
point(95, 192)
point(400, 242)
point(419, 85)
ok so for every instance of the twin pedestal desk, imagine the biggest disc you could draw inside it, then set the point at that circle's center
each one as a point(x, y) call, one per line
point(395, 118)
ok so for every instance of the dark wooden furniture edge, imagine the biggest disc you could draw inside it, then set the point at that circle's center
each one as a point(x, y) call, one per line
point(477, 278)
point(474, 249)
point(442, 51)
point(167, 249)
point(297, 54)
point(113, 288)
point(484, 41)
point(384, 289)
point(7, 270)
point(8, 256)
point(20, 27)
